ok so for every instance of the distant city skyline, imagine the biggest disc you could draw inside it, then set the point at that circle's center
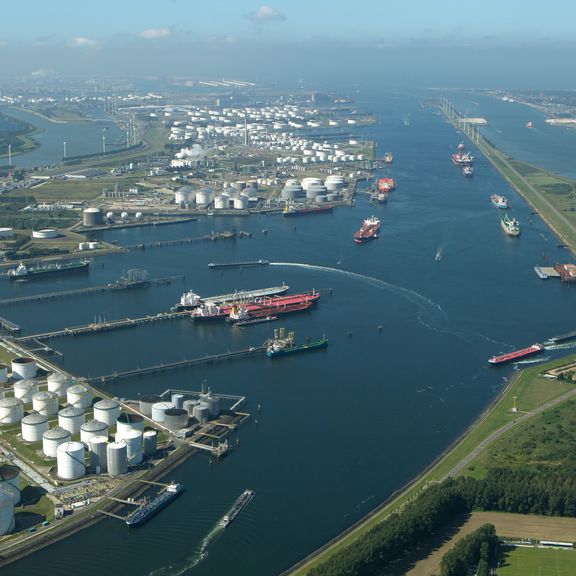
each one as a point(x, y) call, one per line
point(221, 37)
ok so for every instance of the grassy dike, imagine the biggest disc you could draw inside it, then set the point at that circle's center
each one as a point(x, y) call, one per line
point(534, 393)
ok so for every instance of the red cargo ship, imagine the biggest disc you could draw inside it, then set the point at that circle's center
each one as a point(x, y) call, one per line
point(386, 184)
point(260, 306)
point(516, 354)
point(368, 230)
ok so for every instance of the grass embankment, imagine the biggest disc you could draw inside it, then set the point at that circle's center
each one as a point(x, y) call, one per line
point(532, 391)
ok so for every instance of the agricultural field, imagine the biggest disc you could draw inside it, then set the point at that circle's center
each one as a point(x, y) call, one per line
point(537, 562)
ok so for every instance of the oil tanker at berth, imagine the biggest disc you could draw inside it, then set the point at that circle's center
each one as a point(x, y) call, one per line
point(516, 354)
point(152, 507)
point(22, 272)
point(292, 210)
point(368, 230)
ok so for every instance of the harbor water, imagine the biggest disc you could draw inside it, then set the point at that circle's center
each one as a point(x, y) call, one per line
point(411, 319)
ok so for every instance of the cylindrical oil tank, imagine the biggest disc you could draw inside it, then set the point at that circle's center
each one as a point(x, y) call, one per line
point(7, 521)
point(24, 368)
point(10, 481)
point(221, 202)
point(97, 451)
point(134, 441)
point(240, 203)
point(149, 442)
point(158, 410)
point(71, 419)
point(321, 199)
point(175, 418)
point(127, 422)
point(307, 182)
point(33, 427)
point(92, 217)
point(79, 396)
point(25, 389)
point(70, 460)
point(3, 373)
point(45, 402)
point(59, 383)
point(211, 402)
point(146, 402)
point(188, 405)
point(117, 458)
point(93, 428)
point(107, 411)
point(201, 413)
point(203, 198)
point(52, 438)
point(332, 197)
point(11, 410)
point(177, 400)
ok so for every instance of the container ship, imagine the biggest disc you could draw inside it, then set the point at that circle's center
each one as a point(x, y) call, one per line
point(461, 159)
point(238, 264)
point(259, 307)
point(292, 210)
point(238, 506)
point(499, 201)
point(281, 344)
point(22, 272)
point(368, 230)
point(152, 507)
point(190, 300)
point(386, 184)
point(510, 226)
point(516, 354)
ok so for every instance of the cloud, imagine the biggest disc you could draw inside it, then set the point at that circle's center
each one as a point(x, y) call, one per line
point(265, 14)
point(83, 42)
point(155, 33)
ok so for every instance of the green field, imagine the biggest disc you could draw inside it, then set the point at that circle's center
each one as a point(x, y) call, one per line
point(538, 562)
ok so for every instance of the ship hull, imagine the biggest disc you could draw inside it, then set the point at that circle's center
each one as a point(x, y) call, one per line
point(296, 349)
point(49, 272)
point(516, 355)
point(140, 517)
point(217, 265)
point(308, 211)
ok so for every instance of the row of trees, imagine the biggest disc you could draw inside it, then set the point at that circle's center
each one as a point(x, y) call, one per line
point(477, 550)
point(536, 490)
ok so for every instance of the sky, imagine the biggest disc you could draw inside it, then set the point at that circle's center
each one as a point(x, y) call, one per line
point(431, 42)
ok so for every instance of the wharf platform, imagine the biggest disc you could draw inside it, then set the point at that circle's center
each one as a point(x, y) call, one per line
point(8, 325)
point(225, 235)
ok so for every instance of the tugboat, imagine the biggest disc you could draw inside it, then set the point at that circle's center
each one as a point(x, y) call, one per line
point(511, 226)
point(368, 230)
point(282, 344)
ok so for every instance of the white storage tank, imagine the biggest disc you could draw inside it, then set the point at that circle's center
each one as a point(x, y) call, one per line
point(240, 203)
point(321, 199)
point(11, 410)
point(79, 396)
point(128, 422)
point(221, 202)
point(146, 402)
point(203, 197)
point(45, 402)
point(97, 446)
point(201, 413)
point(211, 402)
point(7, 521)
point(188, 405)
point(24, 368)
point(33, 427)
point(177, 400)
point(107, 411)
point(25, 389)
point(52, 438)
point(117, 458)
point(3, 373)
point(150, 442)
point(158, 410)
point(10, 481)
point(70, 460)
point(59, 383)
point(71, 418)
point(176, 418)
point(93, 428)
point(134, 441)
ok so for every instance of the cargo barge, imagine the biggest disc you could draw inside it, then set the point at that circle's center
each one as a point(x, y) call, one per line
point(561, 338)
point(42, 270)
point(238, 506)
point(218, 265)
point(152, 507)
point(516, 354)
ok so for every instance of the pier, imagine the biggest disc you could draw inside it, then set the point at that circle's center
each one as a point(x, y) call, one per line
point(225, 235)
point(208, 359)
point(8, 325)
point(119, 285)
point(104, 326)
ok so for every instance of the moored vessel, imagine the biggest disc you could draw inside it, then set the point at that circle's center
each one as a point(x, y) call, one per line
point(511, 226)
point(240, 503)
point(152, 507)
point(388, 158)
point(461, 159)
point(468, 171)
point(386, 184)
point(283, 344)
point(499, 201)
point(368, 230)
point(190, 300)
point(516, 354)
point(292, 210)
point(43, 269)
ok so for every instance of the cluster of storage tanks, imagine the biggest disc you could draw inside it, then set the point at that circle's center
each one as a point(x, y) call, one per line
point(314, 189)
point(237, 196)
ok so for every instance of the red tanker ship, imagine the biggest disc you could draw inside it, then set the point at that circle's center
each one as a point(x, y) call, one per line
point(516, 354)
point(368, 230)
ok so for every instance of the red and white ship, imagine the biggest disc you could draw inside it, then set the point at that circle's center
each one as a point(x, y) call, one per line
point(386, 184)
point(368, 230)
point(461, 159)
point(516, 354)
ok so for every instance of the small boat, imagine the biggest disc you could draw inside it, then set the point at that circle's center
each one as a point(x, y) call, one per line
point(468, 171)
point(461, 159)
point(499, 201)
point(529, 125)
point(511, 226)
point(541, 274)
point(461, 146)
point(388, 158)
